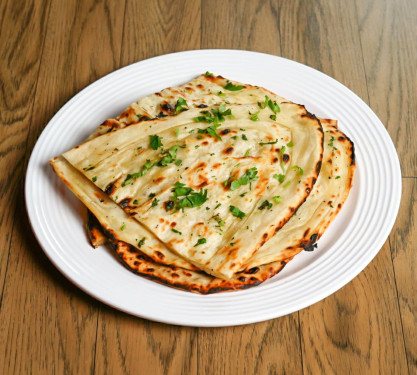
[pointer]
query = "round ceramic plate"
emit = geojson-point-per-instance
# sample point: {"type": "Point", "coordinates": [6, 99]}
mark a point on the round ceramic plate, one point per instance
{"type": "Point", "coordinates": [351, 242]}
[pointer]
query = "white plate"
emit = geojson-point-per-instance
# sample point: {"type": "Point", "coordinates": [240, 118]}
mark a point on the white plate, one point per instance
{"type": "Point", "coordinates": [355, 237]}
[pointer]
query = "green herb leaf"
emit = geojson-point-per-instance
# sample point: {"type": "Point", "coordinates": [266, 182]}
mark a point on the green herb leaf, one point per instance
{"type": "Point", "coordinates": [273, 117]}
{"type": "Point", "coordinates": [254, 117]}
{"type": "Point", "coordinates": [155, 141]}
{"type": "Point", "coordinates": [274, 106]}
{"type": "Point", "coordinates": [265, 204]}
{"type": "Point", "coordinates": [220, 222]}
{"type": "Point", "coordinates": [279, 177]}
{"type": "Point", "coordinates": [168, 159]}
{"type": "Point", "coordinates": [247, 152]}
{"type": "Point", "coordinates": [130, 177]}
{"type": "Point", "coordinates": [94, 179]}
{"type": "Point", "coordinates": [155, 202]}
{"type": "Point", "coordinates": [287, 184]}
{"type": "Point", "coordinates": [180, 105]}
{"type": "Point", "coordinates": [300, 170]}
{"type": "Point", "coordinates": [221, 93]}
{"type": "Point", "coordinates": [177, 131]}
{"type": "Point", "coordinates": [248, 177]}
{"type": "Point", "coordinates": [141, 242]}
{"type": "Point", "coordinates": [135, 202]}
{"type": "Point", "coordinates": [123, 227]}
{"type": "Point", "coordinates": [268, 143]}
{"type": "Point", "coordinates": [200, 242]}
{"type": "Point", "coordinates": [236, 212]}
{"type": "Point", "coordinates": [244, 137]}
{"type": "Point", "coordinates": [337, 177]}
{"type": "Point", "coordinates": [231, 87]}
{"type": "Point", "coordinates": [178, 162]}
{"type": "Point", "coordinates": [176, 231]}
{"type": "Point", "coordinates": [277, 199]}
{"type": "Point", "coordinates": [290, 144]}
{"type": "Point", "coordinates": [208, 74]}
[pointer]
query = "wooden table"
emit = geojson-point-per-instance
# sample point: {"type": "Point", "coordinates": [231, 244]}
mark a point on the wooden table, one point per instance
{"type": "Point", "coordinates": [51, 49]}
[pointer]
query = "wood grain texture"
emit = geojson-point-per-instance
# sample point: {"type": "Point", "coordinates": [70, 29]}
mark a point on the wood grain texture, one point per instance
{"type": "Point", "coordinates": [128, 345]}
{"type": "Point", "coordinates": [47, 325]}
{"type": "Point", "coordinates": [20, 52]}
{"type": "Point", "coordinates": [251, 25]}
{"type": "Point", "coordinates": [271, 347]}
{"type": "Point", "coordinates": [388, 32]}
{"type": "Point", "coordinates": [356, 330]}
{"type": "Point", "coordinates": [403, 242]}
{"type": "Point", "coordinates": [153, 28]}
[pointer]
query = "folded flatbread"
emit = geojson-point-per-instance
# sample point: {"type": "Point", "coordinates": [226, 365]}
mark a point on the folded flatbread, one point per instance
{"type": "Point", "coordinates": [245, 230]}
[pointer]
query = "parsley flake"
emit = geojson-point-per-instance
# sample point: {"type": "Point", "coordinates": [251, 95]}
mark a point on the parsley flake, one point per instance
{"type": "Point", "coordinates": [231, 87]}
{"type": "Point", "coordinates": [279, 177]}
{"type": "Point", "coordinates": [200, 242]}
{"type": "Point", "coordinates": [236, 212]}
{"type": "Point", "coordinates": [265, 204]}
{"type": "Point", "coordinates": [155, 141]}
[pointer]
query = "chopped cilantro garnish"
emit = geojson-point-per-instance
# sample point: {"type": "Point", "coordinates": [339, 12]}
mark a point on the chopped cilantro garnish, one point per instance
{"type": "Point", "coordinates": [244, 137]}
{"type": "Point", "coordinates": [221, 93]}
{"type": "Point", "coordinates": [123, 227]}
{"type": "Point", "coordinates": [273, 117]}
{"type": "Point", "coordinates": [155, 202]}
{"type": "Point", "coordinates": [337, 177]}
{"type": "Point", "coordinates": [178, 162]}
{"type": "Point", "coordinates": [155, 141]}
{"type": "Point", "coordinates": [248, 177]}
{"type": "Point", "coordinates": [94, 179]}
{"type": "Point", "coordinates": [269, 103]}
{"type": "Point", "coordinates": [218, 205]}
{"type": "Point", "coordinates": [208, 74]}
{"type": "Point", "coordinates": [135, 202]}
{"type": "Point", "coordinates": [231, 87]}
{"type": "Point", "coordinates": [176, 231]}
{"type": "Point", "coordinates": [211, 130]}
{"type": "Point", "coordinates": [279, 177]}
{"type": "Point", "coordinates": [179, 106]}
{"type": "Point", "coordinates": [287, 184]}
{"type": "Point", "coordinates": [331, 141]}
{"type": "Point", "coordinates": [177, 131]}
{"type": "Point", "coordinates": [268, 143]}
{"type": "Point", "coordinates": [191, 198]}
{"type": "Point", "coordinates": [151, 195]}
{"type": "Point", "coordinates": [247, 152]}
{"type": "Point", "coordinates": [200, 242]}
{"type": "Point", "coordinates": [236, 212]}
{"type": "Point", "coordinates": [88, 169]}
{"type": "Point", "coordinates": [290, 144]}
{"type": "Point", "coordinates": [167, 159]}
{"type": "Point", "coordinates": [254, 116]}
{"type": "Point", "coordinates": [277, 199]}
{"type": "Point", "coordinates": [142, 242]}
{"type": "Point", "coordinates": [265, 204]}
{"type": "Point", "coordinates": [274, 106]}
{"type": "Point", "coordinates": [300, 170]}
{"type": "Point", "coordinates": [130, 177]}
{"type": "Point", "coordinates": [235, 137]}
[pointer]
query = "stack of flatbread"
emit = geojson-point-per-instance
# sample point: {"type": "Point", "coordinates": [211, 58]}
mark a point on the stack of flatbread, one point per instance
{"type": "Point", "coordinates": [210, 186]}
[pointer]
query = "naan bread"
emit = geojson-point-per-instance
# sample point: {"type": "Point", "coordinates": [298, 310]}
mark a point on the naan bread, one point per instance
{"type": "Point", "coordinates": [206, 90]}
{"type": "Point", "coordinates": [208, 163]}
{"type": "Point", "coordinates": [167, 265]}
